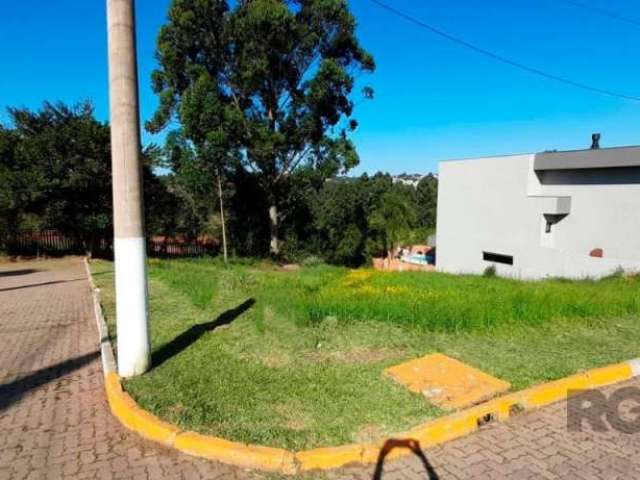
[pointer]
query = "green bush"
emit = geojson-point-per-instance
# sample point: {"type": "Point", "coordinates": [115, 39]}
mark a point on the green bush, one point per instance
{"type": "Point", "coordinates": [489, 272]}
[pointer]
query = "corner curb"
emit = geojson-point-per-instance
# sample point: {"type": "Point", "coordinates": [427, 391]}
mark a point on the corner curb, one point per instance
{"type": "Point", "coordinates": [434, 432]}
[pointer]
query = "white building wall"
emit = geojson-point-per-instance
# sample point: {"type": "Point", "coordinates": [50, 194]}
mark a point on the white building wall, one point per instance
{"type": "Point", "coordinates": [497, 204]}
{"type": "Point", "coordinates": [605, 210]}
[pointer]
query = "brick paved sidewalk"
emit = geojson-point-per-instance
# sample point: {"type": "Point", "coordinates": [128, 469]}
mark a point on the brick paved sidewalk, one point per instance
{"type": "Point", "coordinates": [531, 446]}
{"type": "Point", "coordinates": [54, 419]}
{"type": "Point", "coordinates": [55, 423]}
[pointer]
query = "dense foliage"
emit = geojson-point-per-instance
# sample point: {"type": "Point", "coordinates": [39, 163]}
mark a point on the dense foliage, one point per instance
{"type": "Point", "coordinates": [343, 220]}
{"type": "Point", "coordinates": [359, 218]}
{"type": "Point", "coordinates": [55, 172]}
{"type": "Point", "coordinates": [260, 92]}
{"type": "Point", "coordinates": [264, 86]}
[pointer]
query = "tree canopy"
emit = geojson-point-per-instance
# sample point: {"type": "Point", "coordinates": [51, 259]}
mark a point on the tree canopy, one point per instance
{"type": "Point", "coordinates": [427, 200]}
{"type": "Point", "coordinates": [357, 218]}
{"type": "Point", "coordinates": [270, 78]}
{"type": "Point", "coordinates": [56, 164]}
{"type": "Point", "coordinates": [55, 172]}
{"type": "Point", "coordinates": [257, 97]}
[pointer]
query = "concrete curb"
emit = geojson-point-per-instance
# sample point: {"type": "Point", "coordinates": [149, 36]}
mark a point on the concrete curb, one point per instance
{"type": "Point", "coordinates": [106, 350]}
{"type": "Point", "coordinates": [258, 457]}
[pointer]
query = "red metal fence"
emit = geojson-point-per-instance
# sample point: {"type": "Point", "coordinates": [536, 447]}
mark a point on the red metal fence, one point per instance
{"type": "Point", "coordinates": [47, 242]}
{"type": "Point", "coordinates": [54, 243]}
{"type": "Point", "coordinates": [180, 246]}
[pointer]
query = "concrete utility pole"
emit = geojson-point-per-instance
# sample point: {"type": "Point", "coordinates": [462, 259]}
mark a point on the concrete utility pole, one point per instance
{"type": "Point", "coordinates": [128, 218]}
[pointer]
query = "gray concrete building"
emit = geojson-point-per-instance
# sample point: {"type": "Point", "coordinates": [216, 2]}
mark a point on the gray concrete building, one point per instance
{"type": "Point", "coordinates": [568, 214]}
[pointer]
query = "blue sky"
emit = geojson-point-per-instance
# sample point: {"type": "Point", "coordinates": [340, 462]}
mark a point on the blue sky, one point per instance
{"type": "Point", "coordinates": [434, 100]}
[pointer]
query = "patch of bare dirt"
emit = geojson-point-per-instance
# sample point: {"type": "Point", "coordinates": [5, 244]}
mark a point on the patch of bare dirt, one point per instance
{"type": "Point", "coordinates": [368, 434]}
{"type": "Point", "coordinates": [294, 418]}
{"type": "Point", "coordinates": [276, 360]}
{"type": "Point", "coordinates": [290, 267]}
{"type": "Point", "coordinates": [176, 409]}
{"type": "Point", "coordinates": [357, 355]}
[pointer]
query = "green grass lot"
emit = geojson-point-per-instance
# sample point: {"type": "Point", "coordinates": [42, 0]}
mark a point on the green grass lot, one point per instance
{"type": "Point", "coordinates": [295, 359]}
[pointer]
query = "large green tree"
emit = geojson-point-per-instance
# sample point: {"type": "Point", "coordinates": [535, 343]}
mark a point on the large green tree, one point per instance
{"type": "Point", "coordinates": [271, 78]}
{"type": "Point", "coordinates": [340, 217]}
{"type": "Point", "coordinates": [427, 201]}
{"type": "Point", "coordinates": [191, 180]}
{"type": "Point", "coordinates": [55, 173]}
{"type": "Point", "coordinates": [10, 179]}
{"type": "Point", "coordinates": [59, 171]}
{"type": "Point", "coordinates": [393, 218]}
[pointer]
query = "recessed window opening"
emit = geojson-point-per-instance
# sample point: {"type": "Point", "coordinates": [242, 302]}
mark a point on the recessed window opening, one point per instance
{"type": "Point", "coordinates": [552, 219]}
{"type": "Point", "coordinates": [497, 258]}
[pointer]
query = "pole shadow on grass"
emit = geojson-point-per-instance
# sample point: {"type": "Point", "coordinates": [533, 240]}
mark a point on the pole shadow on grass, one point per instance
{"type": "Point", "coordinates": [193, 334]}
{"type": "Point", "coordinates": [410, 444]}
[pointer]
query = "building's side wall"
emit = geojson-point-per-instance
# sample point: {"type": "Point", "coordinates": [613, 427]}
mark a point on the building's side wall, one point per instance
{"type": "Point", "coordinates": [605, 211]}
{"type": "Point", "coordinates": [483, 206]}
{"type": "Point", "coordinates": [493, 205]}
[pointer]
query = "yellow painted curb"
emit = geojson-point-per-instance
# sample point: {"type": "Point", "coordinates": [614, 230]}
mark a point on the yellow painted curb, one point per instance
{"type": "Point", "coordinates": [610, 374]}
{"type": "Point", "coordinates": [135, 418]}
{"type": "Point", "coordinates": [330, 457]}
{"type": "Point", "coordinates": [432, 433]}
{"type": "Point", "coordinates": [240, 454]}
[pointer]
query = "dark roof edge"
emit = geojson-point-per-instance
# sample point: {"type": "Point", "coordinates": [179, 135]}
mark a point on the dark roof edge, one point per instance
{"type": "Point", "coordinates": [614, 157]}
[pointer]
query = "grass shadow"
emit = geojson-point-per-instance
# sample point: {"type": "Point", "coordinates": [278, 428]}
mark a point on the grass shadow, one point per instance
{"type": "Point", "coordinates": [106, 272]}
{"type": "Point", "coordinates": [410, 444]}
{"type": "Point", "coordinates": [193, 334]}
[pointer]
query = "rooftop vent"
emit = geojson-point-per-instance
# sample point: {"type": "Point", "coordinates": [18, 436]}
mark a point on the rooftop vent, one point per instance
{"type": "Point", "coordinates": [595, 141]}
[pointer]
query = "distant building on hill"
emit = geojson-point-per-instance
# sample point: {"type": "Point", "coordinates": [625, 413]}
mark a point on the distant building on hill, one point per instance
{"type": "Point", "coordinates": [554, 214]}
{"type": "Point", "coordinates": [410, 179]}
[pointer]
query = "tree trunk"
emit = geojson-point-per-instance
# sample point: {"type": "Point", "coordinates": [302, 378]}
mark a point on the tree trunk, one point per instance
{"type": "Point", "coordinates": [224, 227]}
{"type": "Point", "coordinates": [273, 225]}
{"type": "Point", "coordinates": [89, 246]}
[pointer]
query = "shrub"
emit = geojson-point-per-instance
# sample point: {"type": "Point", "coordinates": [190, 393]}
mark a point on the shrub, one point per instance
{"type": "Point", "coordinates": [489, 272]}
{"type": "Point", "coordinates": [312, 261]}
